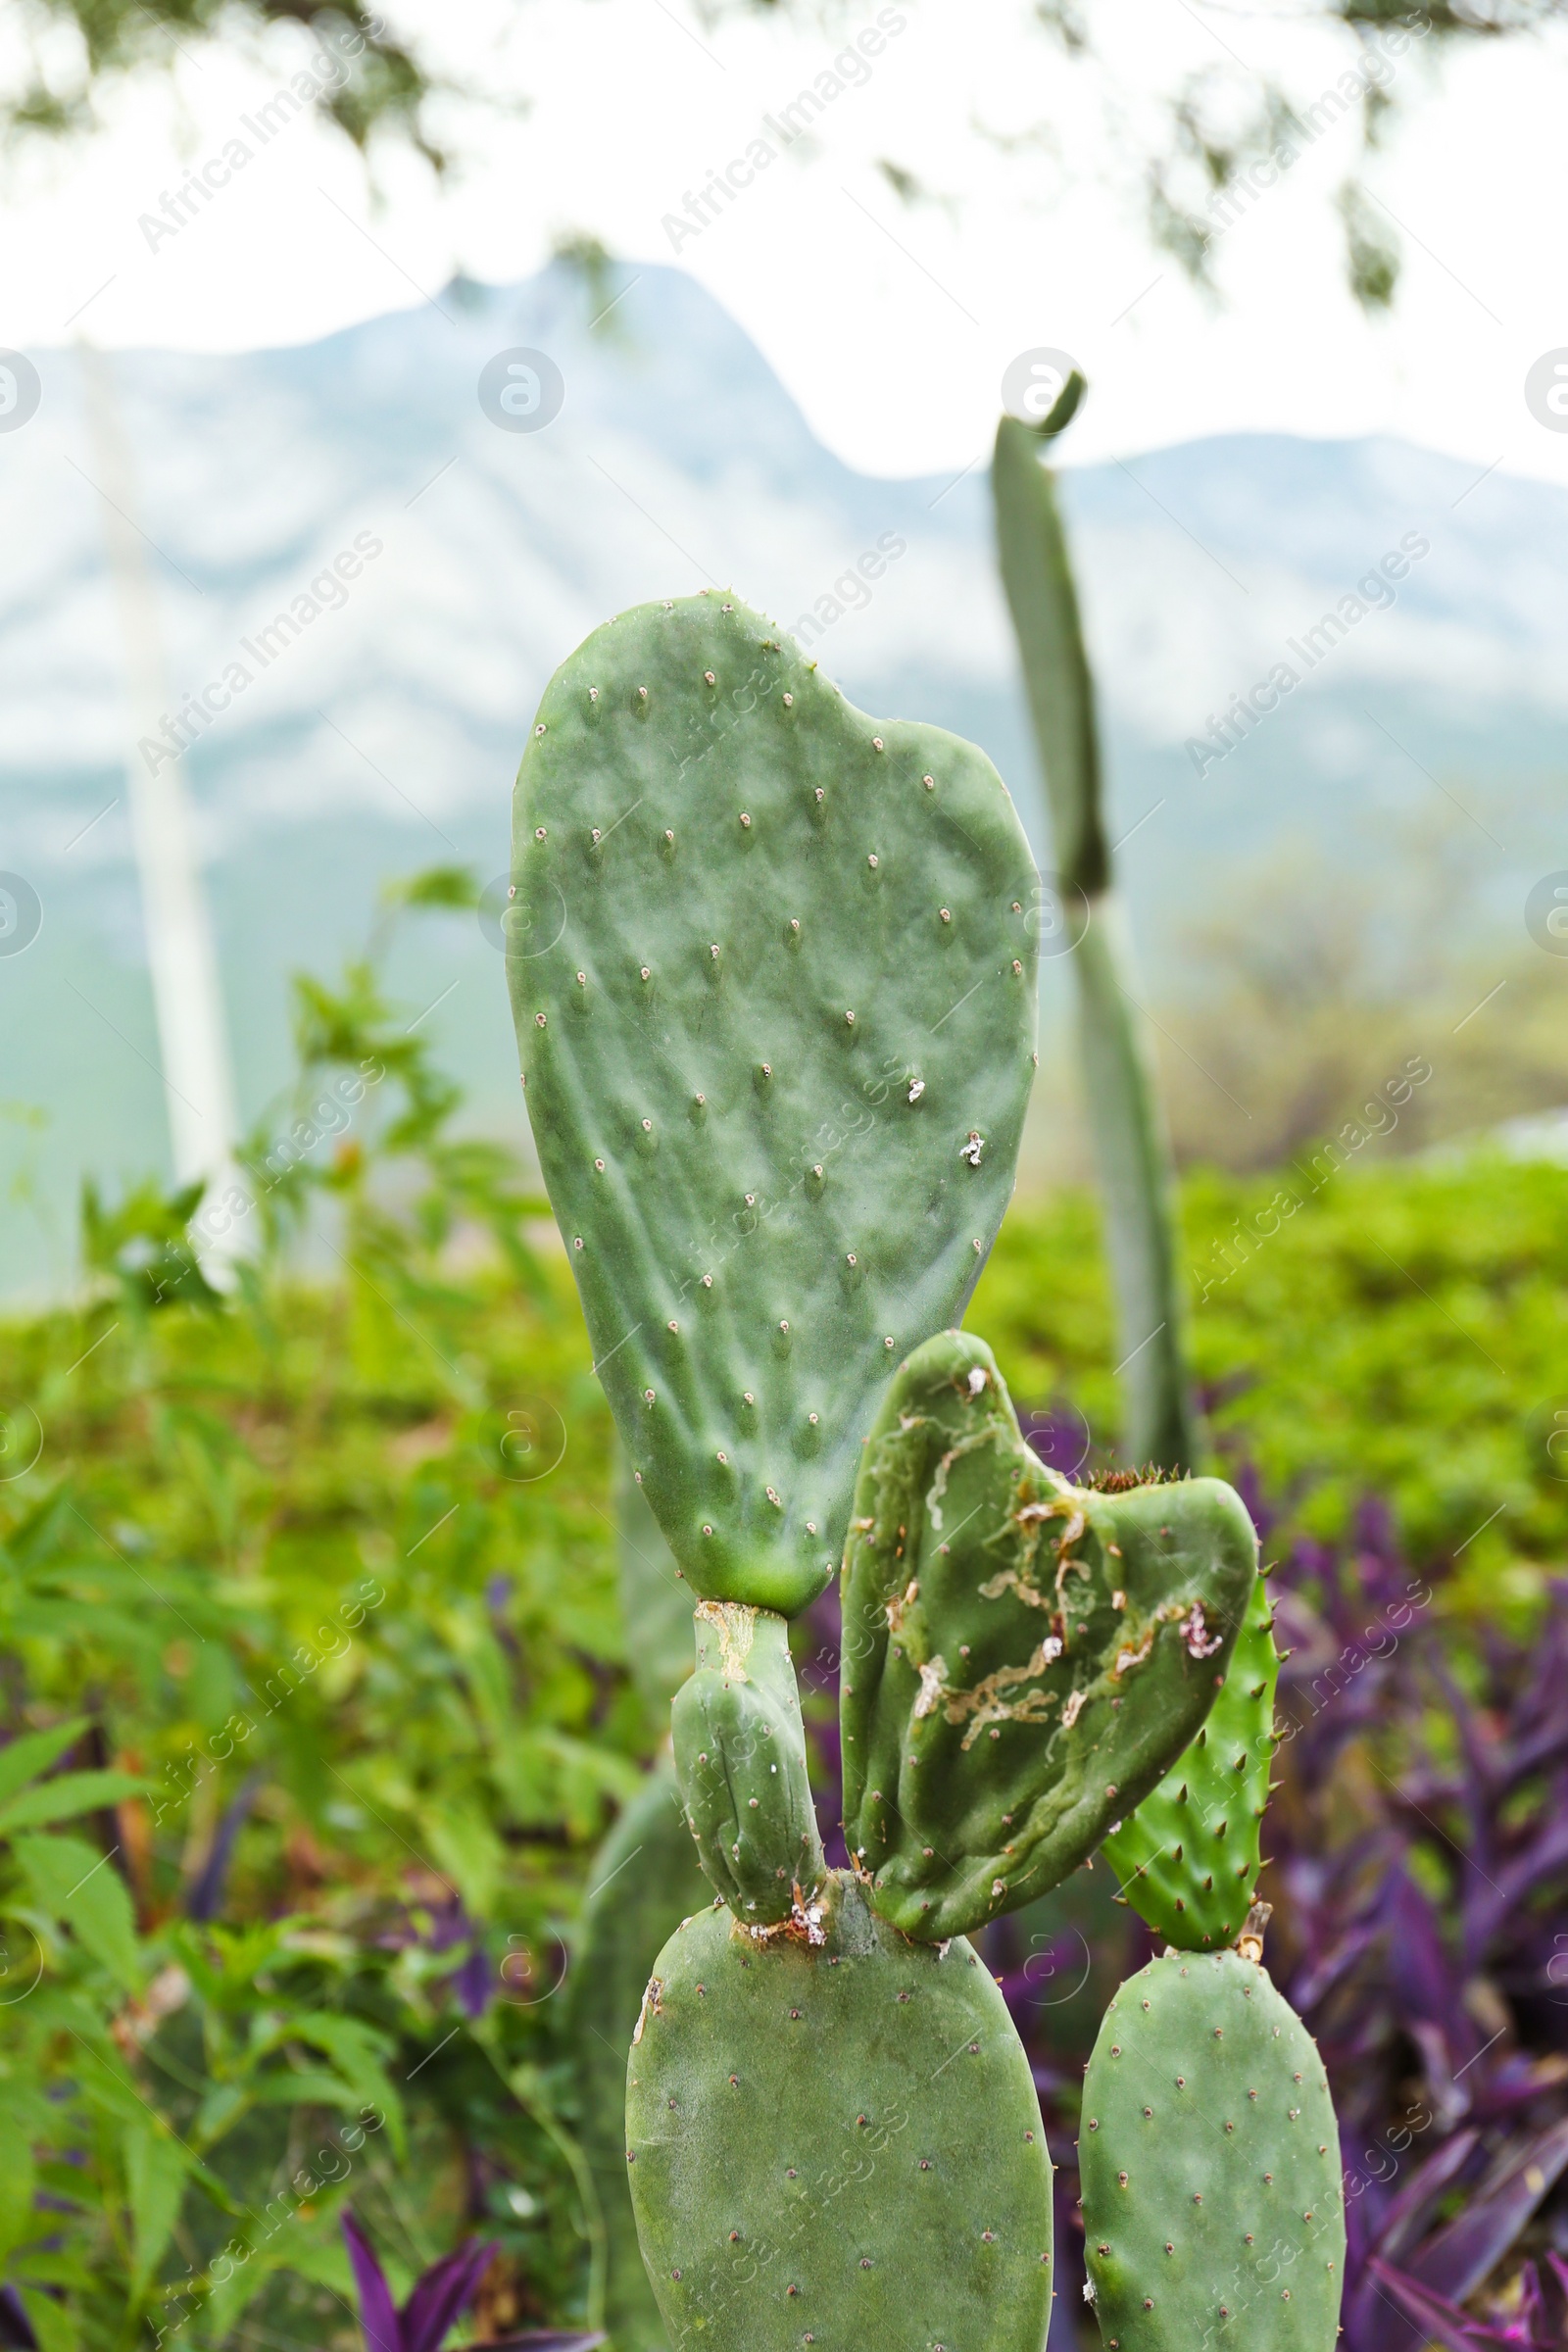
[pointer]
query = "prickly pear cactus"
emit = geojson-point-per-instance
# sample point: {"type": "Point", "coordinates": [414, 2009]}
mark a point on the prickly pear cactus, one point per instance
{"type": "Point", "coordinates": [1188, 1857]}
{"type": "Point", "coordinates": [1212, 2204]}
{"type": "Point", "coordinates": [740, 1751]}
{"type": "Point", "coordinates": [1022, 1658]}
{"type": "Point", "coordinates": [772, 968]}
{"type": "Point", "coordinates": [833, 2138]}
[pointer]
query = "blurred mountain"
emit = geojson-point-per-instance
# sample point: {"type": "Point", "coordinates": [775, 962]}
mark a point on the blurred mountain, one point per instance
{"type": "Point", "coordinates": [381, 729]}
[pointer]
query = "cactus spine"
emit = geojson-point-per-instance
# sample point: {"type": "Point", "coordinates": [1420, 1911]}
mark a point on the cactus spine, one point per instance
{"type": "Point", "coordinates": [772, 970]}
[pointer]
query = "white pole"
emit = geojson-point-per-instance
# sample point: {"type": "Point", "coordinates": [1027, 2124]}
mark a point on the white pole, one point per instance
{"type": "Point", "coordinates": [192, 1034]}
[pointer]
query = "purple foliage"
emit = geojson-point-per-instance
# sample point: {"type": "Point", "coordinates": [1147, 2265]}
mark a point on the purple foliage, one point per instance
{"type": "Point", "coordinates": [1060, 1436]}
{"type": "Point", "coordinates": [1420, 1865]}
{"type": "Point", "coordinates": [15, 2328]}
{"type": "Point", "coordinates": [441, 1927]}
{"type": "Point", "coordinates": [204, 1900]}
{"type": "Point", "coordinates": [438, 2300]}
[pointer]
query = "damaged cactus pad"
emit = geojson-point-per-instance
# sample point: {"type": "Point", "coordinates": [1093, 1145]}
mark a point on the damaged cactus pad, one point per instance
{"type": "Point", "coordinates": [773, 972]}
{"type": "Point", "coordinates": [833, 2138]}
{"type": "Point", "coordinates": [1023, 1659]}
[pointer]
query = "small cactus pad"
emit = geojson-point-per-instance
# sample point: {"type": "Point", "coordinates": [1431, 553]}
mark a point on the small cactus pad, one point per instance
{"type": "Point", "coordinates": [740, 1750]}
{"type": "Point", "coordinates": [1188, 1859]}
{"type": "Point", "coordinates": [1023, 1659]}
{"type": "Point", "coordinates": [773, 972]}
{"type": "Point", "coordinates": [1213, 2211]}
{"type": "Point", "coordinates": [834, 2139]}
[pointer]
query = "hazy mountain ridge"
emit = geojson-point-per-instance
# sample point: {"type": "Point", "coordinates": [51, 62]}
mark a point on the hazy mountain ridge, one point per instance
{"type": "Point", "coordinates": [385, 736]}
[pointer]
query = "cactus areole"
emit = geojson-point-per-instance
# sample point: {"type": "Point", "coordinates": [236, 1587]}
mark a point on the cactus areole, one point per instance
{"type": "Point", "coordinates": [772, 965]}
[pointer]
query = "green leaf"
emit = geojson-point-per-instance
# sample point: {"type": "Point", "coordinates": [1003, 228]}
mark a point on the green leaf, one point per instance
{"type": "Point", "coordinates": [26, 1757]}
{"type": "Point", "coordinates": [18, 2220]}
{"type": "Point", "coordinates": [50, 2269]}
{"type": "Point", "coordinates": [221, 2108]}
{"type": "Point", "coordinates": [305, 2086]}
{"type": "Point", "coordinates": [362, 2083]}
{"type": "Point", "coordinates": [155, 2182]}
{"type": "Point", "coordinates": [240, 2283]}
{"type": "Point", "coordinates": [466, 1846]}
{"type": "Point", "coordinates": [453, 886]}
{"type": "Point", "coordinates": [59, 1800]}
{"type": "Point", "coordinates": [81, 1888]}
{"type": "Point", "coordinates": [356, 2049]}
{"type": "Point", "coordinates": [53, 2324]}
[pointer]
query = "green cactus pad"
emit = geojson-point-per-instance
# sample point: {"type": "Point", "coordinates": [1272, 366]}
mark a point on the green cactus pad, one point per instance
{"type": "Point", "coordinates": [1213, 2211]}
{"type": "Point", "coordinates": [740, 1751]}
{"type": "Point", "coordinates": [1022, 1658]}
{"type": "Point", "coordinates": [836, 2142]}
{"type": "Point", "coordinates": [655, 1602]}
{"type": "Point", "coordinates": [642, 1883]}
{"type": "Point", "coordinates": [773, 966]}
{"type": "Point", "coordinates": [1188, 1859]}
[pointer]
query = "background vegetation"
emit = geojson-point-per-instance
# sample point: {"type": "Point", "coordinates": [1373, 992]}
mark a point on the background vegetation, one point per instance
{"type": "Point", "coordinates": [316, 1681]}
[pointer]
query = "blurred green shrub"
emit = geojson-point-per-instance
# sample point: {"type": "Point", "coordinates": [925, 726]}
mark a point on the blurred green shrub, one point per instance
{"type": "Point", "coordinates": [1393, 1328]}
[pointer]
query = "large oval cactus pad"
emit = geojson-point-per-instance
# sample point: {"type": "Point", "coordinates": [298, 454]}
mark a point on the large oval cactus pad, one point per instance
{"type": "Point", "coordinates": [1188, 1857]}
{"type": "Point", "coordinates": [773, 966]}
{"type": "Point", "coordinates": [836, 2142]}
{"type": "Point", "coordinates": [1022, 1659]}
{"type": "Point", "coordinates": [1214, 2207]}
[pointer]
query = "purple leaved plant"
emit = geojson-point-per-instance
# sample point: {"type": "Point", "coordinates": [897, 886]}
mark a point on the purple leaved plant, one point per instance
{"type": "Point", "coordinates": [438, 2301]}
{"type": "Point", "coordinates": [1420, 1871]}
{"type": "Point", "coordinates": [1539, 2322]}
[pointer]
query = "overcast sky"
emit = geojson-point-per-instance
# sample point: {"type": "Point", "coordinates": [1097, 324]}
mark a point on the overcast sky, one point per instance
{"type": "Point", "coordinates": [891, 324]}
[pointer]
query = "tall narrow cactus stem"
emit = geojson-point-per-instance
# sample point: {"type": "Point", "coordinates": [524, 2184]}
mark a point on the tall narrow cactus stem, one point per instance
{"type": "Point", "coordinates": [1131, 1149]}
{"type": "Point", "coordinates": [1133, 1157]}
